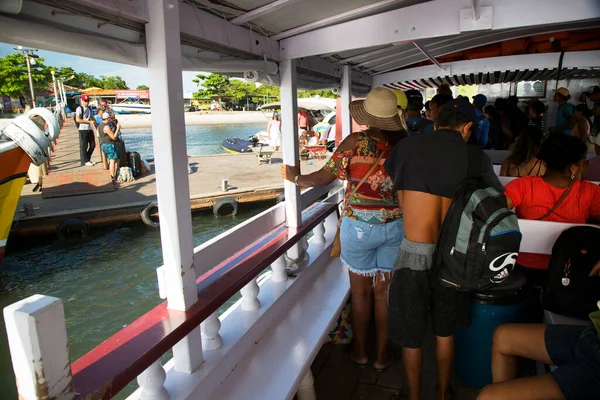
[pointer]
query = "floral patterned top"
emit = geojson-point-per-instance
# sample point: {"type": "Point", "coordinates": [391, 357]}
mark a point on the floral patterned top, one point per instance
{"type": "Point", "coordinates": [374, 201]}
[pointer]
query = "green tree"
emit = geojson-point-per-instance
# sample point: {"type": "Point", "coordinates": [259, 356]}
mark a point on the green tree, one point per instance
{"type": "Point", "coordinates": [212, 85]}
{"type": "Point", "coordinates": [142, 87]}
{"type": "Point", "coordinates": [112, 83]}
{"type": "Point", "coordinates": [317, 93]}
{"type": "Point", "coordinates": [13, 75]}
{"type": "Point", "coordinates": [238, 89]}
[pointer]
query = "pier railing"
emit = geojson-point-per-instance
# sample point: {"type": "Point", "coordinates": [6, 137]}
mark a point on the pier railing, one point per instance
{"type": "Point", "coordinates": [37, 331]}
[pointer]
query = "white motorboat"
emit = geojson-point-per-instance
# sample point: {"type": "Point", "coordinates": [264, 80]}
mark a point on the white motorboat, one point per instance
{"type": "Point", "coordinates": [131, 106]}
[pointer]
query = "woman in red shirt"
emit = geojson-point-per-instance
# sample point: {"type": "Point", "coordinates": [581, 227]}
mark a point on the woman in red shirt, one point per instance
{"type": "Point", "coordinates": [534, 196]}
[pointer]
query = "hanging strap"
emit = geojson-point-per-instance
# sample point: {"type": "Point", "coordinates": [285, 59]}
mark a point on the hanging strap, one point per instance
{"type": "Point", "coordinates": [375, 164]}
{"type": "Point", "coordinates": [558, 202]}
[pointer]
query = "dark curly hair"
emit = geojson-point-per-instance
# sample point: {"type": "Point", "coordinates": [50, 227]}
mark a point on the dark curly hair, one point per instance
{"type": "Point", "coordinates": [559, 152]}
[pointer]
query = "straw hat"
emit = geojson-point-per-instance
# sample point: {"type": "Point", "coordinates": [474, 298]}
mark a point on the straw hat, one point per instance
{"type": "Point", "coordinates": [563, 91]}
{"type": "Point", "coordinates": [378, 110]}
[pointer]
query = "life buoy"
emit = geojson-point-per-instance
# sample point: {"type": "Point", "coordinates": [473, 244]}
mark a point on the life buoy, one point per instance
{"type": "Point", "coordinates": [226, 207]}
{"type": "Point", "coordinates": [51, 120]}
{"type": "Point", "coordinates": [148, 217]}
{"type": "Point", "coordinates": [25, 133]}
{"type": "Point", "coordinates": [72, 229]}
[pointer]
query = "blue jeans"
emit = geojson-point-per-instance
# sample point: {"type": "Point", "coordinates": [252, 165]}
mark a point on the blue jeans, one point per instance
{"type": "Point", "coordinates": [370, 248]}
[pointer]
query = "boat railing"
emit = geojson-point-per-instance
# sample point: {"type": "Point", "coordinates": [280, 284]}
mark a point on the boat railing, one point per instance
{"type": "Point", "coordinates": [37, 331]}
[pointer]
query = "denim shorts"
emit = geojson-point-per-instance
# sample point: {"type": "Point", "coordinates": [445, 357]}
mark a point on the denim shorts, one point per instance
{"type": "Point", "coordinates": [575, 350]}
{"type": "Point", "coordinates": [368, 249]}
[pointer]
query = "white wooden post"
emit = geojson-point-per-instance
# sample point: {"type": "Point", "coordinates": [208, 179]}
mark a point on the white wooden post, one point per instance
{"type": "Point", "coordinates": [346, 98]}
{"type": "Point", "coordinates": [249, 293]}
{"type": "Point", "coordinates": [290, 146]}
{"type": "Point", "coordinates": [151, 382]}
{"type": "Point", "coordinates": [163, 45]}
{"type": "Point", "coordinates": [211, 340]}
{"type": "Point", "coordinates": [319, 233]}
{"type": "Point", "coordinates": [278, 267]}
{"type": "Point", "coordinates": [37, 338]}
{"type": "Point", "coordinates": [306, 390]}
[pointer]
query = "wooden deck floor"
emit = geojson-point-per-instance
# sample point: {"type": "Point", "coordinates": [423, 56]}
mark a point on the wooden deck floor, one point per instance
{"type": "Point", "coordinates": [337, 378]}
{"type": "Point", "coordinates": [246, 178]}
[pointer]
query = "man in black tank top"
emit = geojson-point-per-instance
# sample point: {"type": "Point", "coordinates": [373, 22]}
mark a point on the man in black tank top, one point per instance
{"type": "Point", "coordinates": [108, 137]}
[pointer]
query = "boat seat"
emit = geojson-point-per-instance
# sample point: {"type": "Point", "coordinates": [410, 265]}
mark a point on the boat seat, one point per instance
{"type": "Point", "coordinates": [276, 365]}
{"type": "Point", "coordinates": [263, 153]}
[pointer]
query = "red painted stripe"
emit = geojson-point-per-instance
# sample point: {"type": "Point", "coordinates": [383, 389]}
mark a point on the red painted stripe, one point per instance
{"type": "Point", "coordinates": [104, 371]}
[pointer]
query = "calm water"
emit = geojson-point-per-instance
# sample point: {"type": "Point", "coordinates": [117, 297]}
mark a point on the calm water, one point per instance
{"type": "Point", "coordinates": [109, 281]}
{"type": "Point", "coordinates": [201, 139]}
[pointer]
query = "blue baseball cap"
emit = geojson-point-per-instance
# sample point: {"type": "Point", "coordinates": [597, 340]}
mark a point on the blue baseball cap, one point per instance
{"type": "Point", "coordinates": [480, 100]}
{"type": "Point", "coordinates": [464, 107]}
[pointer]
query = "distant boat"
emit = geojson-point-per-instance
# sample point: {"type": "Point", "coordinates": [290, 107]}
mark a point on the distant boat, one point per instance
{"type": "Point", "coordinates": [237, 146]}
{"type": "Point", "coordinates": [131, 106]}
{"type": "Point", "coordinates": [22, 142]}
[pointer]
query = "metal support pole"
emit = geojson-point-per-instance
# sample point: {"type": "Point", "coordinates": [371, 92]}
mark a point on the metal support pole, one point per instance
{"type": "Point", "coordinates": [54, 87]}
{"type": "Point", "coordinates": [290, 146]}
{"type": "Point", "coordinates": [163, 45]}
{"type": "Point", "coordinates": [429, 56]}
{"type": "Point", "coordinates": [30, 80]}
{"type": "Point", "coordinates": [475, 10]}
{"type": "Point", "coordinates": [346, 98]}
{"type": "Point", "coordinates": [63, 94]}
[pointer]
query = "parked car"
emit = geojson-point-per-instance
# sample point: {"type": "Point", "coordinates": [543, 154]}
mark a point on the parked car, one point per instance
{"type": "Point", "coordinates": [190, 109]}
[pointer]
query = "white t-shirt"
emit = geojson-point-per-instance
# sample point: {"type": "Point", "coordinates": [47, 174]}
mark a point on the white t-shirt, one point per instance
{"type": "Point", "coordinates": [87, 114]}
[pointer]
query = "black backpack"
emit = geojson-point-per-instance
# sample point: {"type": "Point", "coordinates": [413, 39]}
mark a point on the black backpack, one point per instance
{"type": "Point", "coordinates": [569, 290]}
{"type": "Point", "coordinates": [479, 241]}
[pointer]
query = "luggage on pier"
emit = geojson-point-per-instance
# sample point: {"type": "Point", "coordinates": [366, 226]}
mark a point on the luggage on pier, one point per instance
{"type": "Point", "coordinates": [123, 155]}
{"type": "Point", "coordinates": [135, 162]}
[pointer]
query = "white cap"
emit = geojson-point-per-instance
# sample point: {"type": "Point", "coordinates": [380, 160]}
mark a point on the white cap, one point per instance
{"type": "Point", "coordinates": [105, 115]}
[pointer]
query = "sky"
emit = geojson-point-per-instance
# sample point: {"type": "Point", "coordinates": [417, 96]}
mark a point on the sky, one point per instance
{"type": "Point", "coordinates": [134, 76]}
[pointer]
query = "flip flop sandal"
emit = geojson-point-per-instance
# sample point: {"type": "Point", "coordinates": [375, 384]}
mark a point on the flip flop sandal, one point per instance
{"type": "Point", "coordinates": [347, 354]}
{"type": "Point", "coordinates": [395, 357]}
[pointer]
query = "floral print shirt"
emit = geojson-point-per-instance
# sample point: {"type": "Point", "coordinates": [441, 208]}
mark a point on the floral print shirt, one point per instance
{"type": "Point", "coordinates": [374, 201]}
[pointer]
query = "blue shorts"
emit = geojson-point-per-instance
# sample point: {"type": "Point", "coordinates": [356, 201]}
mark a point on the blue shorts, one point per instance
{"type": "Point", "coordinates": [370, 248]}
{"type": "Point", "coordinates": [575, 350]}
{"type": "Point", "coordinates": [110, 150]}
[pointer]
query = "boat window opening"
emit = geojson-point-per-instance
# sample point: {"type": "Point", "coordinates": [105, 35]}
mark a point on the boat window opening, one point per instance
{"type": "Point", "coordinates": [530, 89]}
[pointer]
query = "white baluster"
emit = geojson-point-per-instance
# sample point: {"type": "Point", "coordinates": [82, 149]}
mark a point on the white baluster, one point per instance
{"type": "Point", "coordinates": [249, 293]}
{"type": "Point", "coordinates": [306, 390]}
{"type": "Point", "coordinates": [151, 382]}
{"type": "Point", "coordinates": [278, 267]}
{"type": "Point", "coordinates": [319, 233]}
{"type": "Point", "coordinates": [211, 340]}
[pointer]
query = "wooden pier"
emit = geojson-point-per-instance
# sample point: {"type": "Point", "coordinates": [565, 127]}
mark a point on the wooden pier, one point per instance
{"type": "Point", "coordinates": [248, 183]}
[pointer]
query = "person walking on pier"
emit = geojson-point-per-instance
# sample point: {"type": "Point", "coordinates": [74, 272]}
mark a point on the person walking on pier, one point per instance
{"type": "Point", "coordinates": [84, 121]}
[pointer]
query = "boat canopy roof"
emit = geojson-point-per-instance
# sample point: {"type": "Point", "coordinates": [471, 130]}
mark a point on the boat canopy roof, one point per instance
{"type": "Point", "coordinates": [397, 43]}
{"type": "Point", "coordinates": [307, 104]}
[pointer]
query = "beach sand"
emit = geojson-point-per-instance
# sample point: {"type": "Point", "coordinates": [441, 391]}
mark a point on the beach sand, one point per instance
{"type": "Point", "coordinates": [197, 118]}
